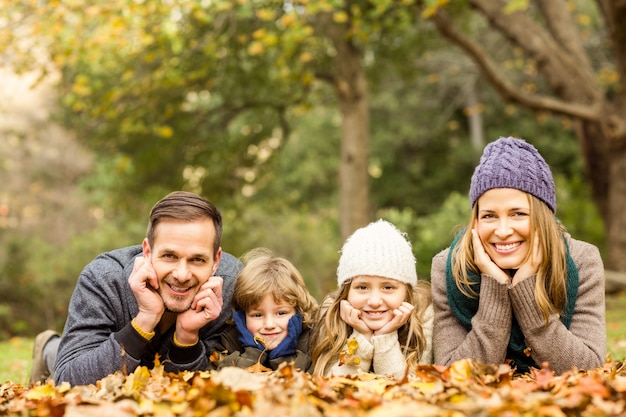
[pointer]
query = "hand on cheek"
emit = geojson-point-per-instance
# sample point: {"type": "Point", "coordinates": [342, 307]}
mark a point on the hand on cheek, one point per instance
{"type": "Point", "coordinates": [401, 315]}
{"type": "Point", "coordinates": [531, 266]}
{"type": "Point", "coordinates": [352, 317]}
{"type": "Point", "coordinates": [485, 263]}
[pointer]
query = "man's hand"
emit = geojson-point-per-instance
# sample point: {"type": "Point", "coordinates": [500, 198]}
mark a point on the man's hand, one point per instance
{"type": "Point", "coordinates": [144, 283]}
{"type": "Point", "coordinates": [206, 307]}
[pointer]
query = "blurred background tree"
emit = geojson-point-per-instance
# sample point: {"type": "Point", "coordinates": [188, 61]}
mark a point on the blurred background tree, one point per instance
{"type": "Point", "coordinates": [300, 120]}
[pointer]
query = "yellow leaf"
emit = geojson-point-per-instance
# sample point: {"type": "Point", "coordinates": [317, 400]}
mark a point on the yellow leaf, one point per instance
{"type": "Point", "coordinates": [306, 57]}
{"type": "Point", "coordinates": [40, 392]}
{"type": "Point", "coordinates": [266, 14]}
{"type": "Point", "coordinates": [287, 19]}
{"type": "Point", "coordinates": [259, 339]}
{"type": "Point", "coordinates": [259, 33]}
{"type": "Point", "coordinates": [460, 371]}
{"type": "Point", "coordinates": [256, 48]}
{"type": "Point", "coordinates": [340, 16]}
{"type": "Point", "coordinates": [137, 381]}
{"type": "Point", "coordinates": [164, 131]}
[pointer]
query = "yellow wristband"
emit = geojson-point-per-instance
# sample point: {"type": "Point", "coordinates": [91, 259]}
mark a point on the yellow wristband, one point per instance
{"type": "Point", "coordinates": [184, 345]}
{"type": "Point", "coordinates": [146, 335]}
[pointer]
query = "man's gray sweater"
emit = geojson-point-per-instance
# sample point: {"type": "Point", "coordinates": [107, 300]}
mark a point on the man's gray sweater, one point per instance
{"type": "Point", "coordinates": [98, 338]}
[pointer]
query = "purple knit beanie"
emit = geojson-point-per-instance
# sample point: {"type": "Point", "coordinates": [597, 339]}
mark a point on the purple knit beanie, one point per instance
{"type": "Point", "coordinates": [513, 163]}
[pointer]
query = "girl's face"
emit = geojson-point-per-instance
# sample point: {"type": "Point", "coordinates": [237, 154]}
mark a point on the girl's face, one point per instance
{"type": "Point", "coordinates": [503, 226]}
{"type": "Point", "coordinates": [376, 298]}
{"type": "Point", "coordinates": [269, 320]}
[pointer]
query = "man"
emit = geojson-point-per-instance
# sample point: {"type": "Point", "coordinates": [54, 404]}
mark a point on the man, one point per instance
{"type": "Point", "coordinates": [169, 296]}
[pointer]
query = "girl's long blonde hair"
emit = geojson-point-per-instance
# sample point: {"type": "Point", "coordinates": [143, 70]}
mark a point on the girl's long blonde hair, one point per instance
{"type": "Point", "coordinates": [331, 332]}
{"type": "Point", "coordinates": [550, 287]}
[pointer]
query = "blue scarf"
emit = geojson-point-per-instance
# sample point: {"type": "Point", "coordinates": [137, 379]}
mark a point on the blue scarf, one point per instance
{"type": "Point", "coordinates": [464, 308]}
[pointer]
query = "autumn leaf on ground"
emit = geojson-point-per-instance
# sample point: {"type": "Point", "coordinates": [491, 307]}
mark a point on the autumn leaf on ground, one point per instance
{"type": "Point", "coordinates": [346, 356]}
{"type": "Point", "coordinates": [466, 388]}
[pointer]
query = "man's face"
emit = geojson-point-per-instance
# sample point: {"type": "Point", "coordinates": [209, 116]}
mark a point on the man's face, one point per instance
{"type": "Point", "coordinates": [182, 256]}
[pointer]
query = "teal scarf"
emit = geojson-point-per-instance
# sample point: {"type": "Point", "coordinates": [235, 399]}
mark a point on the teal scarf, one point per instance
{"type": "Point", "coordinates": [464, 308]}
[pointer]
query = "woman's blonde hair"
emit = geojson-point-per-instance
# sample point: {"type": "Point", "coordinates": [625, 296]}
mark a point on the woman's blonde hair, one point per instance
{"type": "Point", "coordinates": [262, 274]}
{"type": "Point", "coordinates": [331, 332]}
{"type": "Point", "coordinates": [550, 286]}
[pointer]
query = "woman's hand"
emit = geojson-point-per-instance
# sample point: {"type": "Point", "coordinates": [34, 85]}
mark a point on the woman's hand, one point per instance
{"type": "Point", "coordinates": [531, 266]}
{"type": "Point", "coordinates": [485, 263]}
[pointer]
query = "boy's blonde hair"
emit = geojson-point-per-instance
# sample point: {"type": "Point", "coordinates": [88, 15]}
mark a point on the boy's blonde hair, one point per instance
{"type": "Point", "coordinates": [262, 274]}
{"type": "Point", "coordinates": [331, 332]}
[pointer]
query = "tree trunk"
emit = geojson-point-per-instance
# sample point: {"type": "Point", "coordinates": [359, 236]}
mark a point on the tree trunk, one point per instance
{"type": "Point", "coordinates": [351, 87]}
{"type": "Point", "coordinates": [616, 219]}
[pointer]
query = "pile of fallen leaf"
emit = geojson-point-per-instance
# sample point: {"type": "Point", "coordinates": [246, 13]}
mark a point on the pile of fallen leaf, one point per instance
{"type": "Point", "coordinates": [465, 388]}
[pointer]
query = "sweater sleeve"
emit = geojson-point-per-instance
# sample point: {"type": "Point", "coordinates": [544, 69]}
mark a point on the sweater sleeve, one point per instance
{"type": "Point", "coordinates": [89, 350]}
{"type": "Point", "coordinates": [388, 357]}
{"type": "Point", "coordinates": [583, 345]}
{"type": "Point", "coordinates": [364, 353]}
{"type": "Point", "coordinates": [488, 339]}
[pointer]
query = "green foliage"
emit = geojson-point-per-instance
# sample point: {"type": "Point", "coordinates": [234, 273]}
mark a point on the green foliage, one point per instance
{"type": "Point", "coordinates": [431, 233]}
{"type": "Point", "coordinates": [308, 239]}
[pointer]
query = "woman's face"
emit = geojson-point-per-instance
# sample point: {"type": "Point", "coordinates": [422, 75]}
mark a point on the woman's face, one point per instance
{"type": "Point", "coordinates": [503, 225]}
{"type": "Point", "coordinates": [376, 298]}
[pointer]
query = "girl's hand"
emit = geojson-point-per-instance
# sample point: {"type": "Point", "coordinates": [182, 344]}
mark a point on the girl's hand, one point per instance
{"type": "Point", "coordinates": [352, 316]}
{"type": "Point", "coordinates": [400, 316]}
{"type": "Point", "coordinates": [484, 262]}
{"type": "Point", "coordinates": [531, 266]}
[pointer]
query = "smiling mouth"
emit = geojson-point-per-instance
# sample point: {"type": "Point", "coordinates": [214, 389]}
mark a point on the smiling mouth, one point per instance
{"type": "Point", "coordinates": [375, 314]}
{"type": "Point", "coordinates": [178, 290]}
{"type": "Point", "coordinates": [506, 248]}
{"type": "Point", "coordinates": [269, 335]}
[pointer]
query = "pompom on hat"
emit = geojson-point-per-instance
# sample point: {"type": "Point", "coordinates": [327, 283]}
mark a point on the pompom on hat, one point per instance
{"type": "Point", "coordinates": [513, 163]}
{"type": "Point", "coordinates": [378, 249]}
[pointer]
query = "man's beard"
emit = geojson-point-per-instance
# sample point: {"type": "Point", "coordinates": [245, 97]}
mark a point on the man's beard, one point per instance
{"type": "Point", "coordinates": [174, 307]}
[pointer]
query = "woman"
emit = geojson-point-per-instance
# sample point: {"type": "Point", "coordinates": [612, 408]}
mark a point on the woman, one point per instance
{"type": "Point", "coordinates": [514, 286]}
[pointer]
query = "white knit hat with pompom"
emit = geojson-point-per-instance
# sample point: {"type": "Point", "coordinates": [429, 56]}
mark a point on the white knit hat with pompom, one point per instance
{"type": "Point", "coordinates": [378, 249]}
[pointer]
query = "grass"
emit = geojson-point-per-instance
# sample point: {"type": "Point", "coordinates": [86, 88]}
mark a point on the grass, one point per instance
{"type": "Point", "coordinates": [16, 353]}
{"type": "Point", "coordinates": [616, 326]}
{"type": "Point", "coordinates": [15, 360]}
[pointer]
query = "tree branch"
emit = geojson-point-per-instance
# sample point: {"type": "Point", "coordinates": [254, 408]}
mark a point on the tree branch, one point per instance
{"type": "Point", "coordinates": [502, 85]}
{"type": "Point", "coordinates": [569, 78]}
{"type": "Point", "coordinates": [560, 23]}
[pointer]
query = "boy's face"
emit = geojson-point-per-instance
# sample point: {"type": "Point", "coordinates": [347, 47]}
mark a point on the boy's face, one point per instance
{"type": "Point", "coordinates": [269, 320]}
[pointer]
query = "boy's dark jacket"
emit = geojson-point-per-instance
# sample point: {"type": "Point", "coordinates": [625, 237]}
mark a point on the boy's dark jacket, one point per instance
{"type": "Point", "coordinates": [230, 352]}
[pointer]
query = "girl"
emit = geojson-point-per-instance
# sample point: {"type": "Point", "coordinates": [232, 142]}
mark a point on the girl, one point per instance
{"type": "Point", "coordinates": [379, 319]}
{"type": "Point", "coordinates": [273, 312]}
{"type": "Point", "coordinates": [514, 286]}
